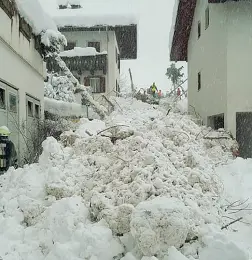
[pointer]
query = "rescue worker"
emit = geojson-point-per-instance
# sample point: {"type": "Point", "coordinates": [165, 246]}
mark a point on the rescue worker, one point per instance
{"type": "Point", "coordinates": [8, 154]}
{"type": "Point", "coordinates": [154, 89]}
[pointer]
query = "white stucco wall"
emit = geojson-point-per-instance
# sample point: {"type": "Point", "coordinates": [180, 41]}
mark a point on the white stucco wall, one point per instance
{"type": "Point", "coordinates": [239, 60]}
{"type": "Point", "coordinates": [208, 55]}
{"type": "Point", "coordinates": [223, 54]}
{"type": "Point", "coordinates": [108, 43]}
{"type": "Point", "coordinates": [21, 67]}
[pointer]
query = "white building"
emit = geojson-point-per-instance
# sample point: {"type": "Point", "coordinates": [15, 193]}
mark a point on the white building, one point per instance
{"type": "Point", "coordinates": [215, 37]}
{"type": "Point", "coordinates": [96, 44]}
{"type": "Point", "coordinates": [22, 70]}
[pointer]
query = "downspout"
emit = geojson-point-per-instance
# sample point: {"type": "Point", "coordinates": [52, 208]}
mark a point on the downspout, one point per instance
{"type": "Point", "coordinates": [108, 81]}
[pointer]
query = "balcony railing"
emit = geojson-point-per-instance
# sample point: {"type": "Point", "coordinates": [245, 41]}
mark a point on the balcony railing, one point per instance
{"type": "Point", "coordinates": [81, 64]}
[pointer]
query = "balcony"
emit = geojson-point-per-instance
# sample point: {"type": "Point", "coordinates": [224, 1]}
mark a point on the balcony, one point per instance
{"type": "Point", "coordinates": [81, 64]}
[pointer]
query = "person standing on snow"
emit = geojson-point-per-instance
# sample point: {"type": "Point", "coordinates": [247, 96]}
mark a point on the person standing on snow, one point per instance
{"type": "Point", "coordinates": [179, 93]}
{"type": "Point", "coordinates": [154, 89]}
{"type": "Point", "coordinates": [8, 154]}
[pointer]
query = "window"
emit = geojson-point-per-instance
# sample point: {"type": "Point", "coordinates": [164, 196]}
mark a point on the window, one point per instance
{"type": "Point", "coordinates": [13, 103]}
{"type": "Point", "coordinates": [98, 84]}
{"type": "Point", "coordinates": [70, 46]}
{"type": "Point", "coordinates": [95, 85]}
{"type": "Point", "coordinates": [207, 21]}
{"type": "Point", "coordinates": [2, 99]}
{"type": "Point", "coordinates": [199, 81]}
{"type": "Point", "coordinates": [30, 108]}
{"type": "Point", "coordinates": [8, 7]}
{"type": "Point", "coordinates": [199, 29]}
{"type": "Point", "coordinates": [37, 111]}
{"type": "Point", "coordinates": [95, 45]}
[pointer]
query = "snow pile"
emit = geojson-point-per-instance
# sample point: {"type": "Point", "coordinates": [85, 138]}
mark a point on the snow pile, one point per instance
{"type": "Point", "coordinates": [80, 52]}
{"type": "Point", "coordinates": [145, 185]}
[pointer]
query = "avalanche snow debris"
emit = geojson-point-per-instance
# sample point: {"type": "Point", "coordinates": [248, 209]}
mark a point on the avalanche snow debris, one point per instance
{"type": "Point", "coordinates": [151, 190]}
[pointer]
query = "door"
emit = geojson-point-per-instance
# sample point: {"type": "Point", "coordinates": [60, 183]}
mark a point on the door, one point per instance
{"type": "Point", "coordinates": [244, 133]}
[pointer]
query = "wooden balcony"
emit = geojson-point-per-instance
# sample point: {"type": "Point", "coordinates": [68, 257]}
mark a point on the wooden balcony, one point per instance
{"type": "Point", "coordinates": [81, 64]}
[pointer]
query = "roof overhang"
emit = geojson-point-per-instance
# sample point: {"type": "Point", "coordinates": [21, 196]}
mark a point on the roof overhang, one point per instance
{"type": "Point", "coordinates": [183, 25]}
{"type": "Point", "coordinates": [126, 37]}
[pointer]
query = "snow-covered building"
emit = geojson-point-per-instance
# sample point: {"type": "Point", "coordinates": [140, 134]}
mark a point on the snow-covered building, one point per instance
{"type": "Point", "coordinates": [96, 44]}
{"type": "Point", "coordinates": [214, 37]}
{"type": "Point", "coordinates": [22, 70]}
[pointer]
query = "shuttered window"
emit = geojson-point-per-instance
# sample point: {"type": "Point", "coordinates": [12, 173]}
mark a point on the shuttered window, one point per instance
{"type": "Point", "coordinates": [98, 84]}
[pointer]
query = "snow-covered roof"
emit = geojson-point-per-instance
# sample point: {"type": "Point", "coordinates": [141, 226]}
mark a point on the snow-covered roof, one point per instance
{"type": "Point", "coordinates": [80, 52]}
{"type": "Point", "coordinates": [34, 15]}
{"type": "Point", "coordinates": [79, 18]}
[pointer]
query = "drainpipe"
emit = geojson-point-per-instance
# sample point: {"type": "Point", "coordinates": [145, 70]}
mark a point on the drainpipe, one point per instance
{"type": "Point", "coordinates": [108, 81]}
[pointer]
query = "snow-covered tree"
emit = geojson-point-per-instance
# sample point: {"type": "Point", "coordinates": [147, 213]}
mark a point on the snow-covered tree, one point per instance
{"type": "Point", "coordinates": [51, 42]}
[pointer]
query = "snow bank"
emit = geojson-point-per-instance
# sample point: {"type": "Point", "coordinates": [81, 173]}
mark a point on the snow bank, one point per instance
{"type": "Point", "coordinates": [34, 14]}
{"type": "Point", "coordinates": [104, 186]}
{"type": "Point", "coordinates": [78, 52]}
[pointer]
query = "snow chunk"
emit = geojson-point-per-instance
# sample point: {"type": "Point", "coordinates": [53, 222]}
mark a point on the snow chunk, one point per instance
{"type": "Point", "coordinates": [159, 224]}
{"type": "Point", "coordinates": [79, 52]}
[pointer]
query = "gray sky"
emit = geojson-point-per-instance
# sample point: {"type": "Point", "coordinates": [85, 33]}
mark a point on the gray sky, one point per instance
{"type": "Point", "coordinates": [155, 18]}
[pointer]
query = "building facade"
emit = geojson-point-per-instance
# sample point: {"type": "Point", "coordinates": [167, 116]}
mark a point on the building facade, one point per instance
{"type": "Point", "coordinates": [22, 72]}
{"type": "Point", "coordinates": [215, 37]}
{"type": "Point", "coordinates": [113, 39]}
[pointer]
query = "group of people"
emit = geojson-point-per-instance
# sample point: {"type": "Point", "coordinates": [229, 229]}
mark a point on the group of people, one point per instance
{"type": "Point", "coordinates": [154, 91]}
{"type": "Point", "coordinates": [8, 154]}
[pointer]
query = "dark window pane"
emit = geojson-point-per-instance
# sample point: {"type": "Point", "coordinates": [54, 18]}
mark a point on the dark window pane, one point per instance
{"type": "Point", "coordinates": [2, 99]}
{"type": "Point", "coordinates": [13, 103]}
{"type": "Point", "coordinates": [95, 45]}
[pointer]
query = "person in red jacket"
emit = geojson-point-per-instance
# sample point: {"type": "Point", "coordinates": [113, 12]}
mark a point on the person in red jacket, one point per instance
{"type": "Point", "coordinates": [179, 93]}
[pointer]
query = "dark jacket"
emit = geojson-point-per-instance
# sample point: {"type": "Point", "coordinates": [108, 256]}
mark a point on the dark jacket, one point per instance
{"type": "Point", "coordinates": [8, 154]}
